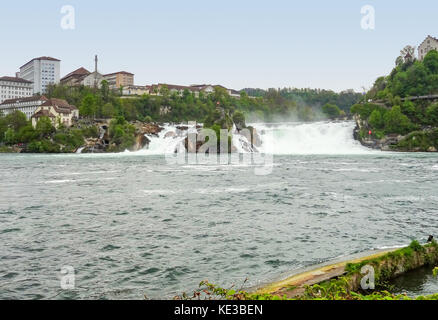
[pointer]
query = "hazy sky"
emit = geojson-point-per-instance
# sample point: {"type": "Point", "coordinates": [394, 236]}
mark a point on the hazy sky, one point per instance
{"type": "Point", "coordinates": [238, 43]}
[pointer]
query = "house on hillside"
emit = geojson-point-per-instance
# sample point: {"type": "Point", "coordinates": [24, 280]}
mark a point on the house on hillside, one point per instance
{"type": "Point", "coordinates": [136, 90]}
{"type": "Point", "coordinates": [430, 43]}
{"type": "Point", "coordinates": [83, 77]}
{"type": "Point", "coordinates": [58, 111]}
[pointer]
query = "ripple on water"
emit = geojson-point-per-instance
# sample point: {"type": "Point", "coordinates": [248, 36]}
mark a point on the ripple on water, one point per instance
{"type": "Point", "coordinates": [10, 230]}
{"type": "Point", "coordinates": [110, 247]}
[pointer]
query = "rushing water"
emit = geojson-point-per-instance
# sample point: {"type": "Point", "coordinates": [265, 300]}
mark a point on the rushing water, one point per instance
{"type": "Point", "coordinates": [133, 224]}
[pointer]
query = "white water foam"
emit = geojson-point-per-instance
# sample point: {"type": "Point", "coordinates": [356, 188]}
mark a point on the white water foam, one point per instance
{"type": "Point", "coordinates": [329, 138]}
{"type": "Point", "coordinates": [325, 138]}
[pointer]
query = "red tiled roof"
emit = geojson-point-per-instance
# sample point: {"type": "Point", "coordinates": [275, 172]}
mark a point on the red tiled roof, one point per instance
{"type": "Point", "coordinates": [28, 99]}
{"type": "Point", "coordinates": [79, 73]}
{"type": "Point", "coordinates": [60, 105]}
{"type": "Point", "coordinates": [43, 113]}
{"type": "Point", "coordinates": [40, 58]}
{"type": "Point", "coordinates": [14, 79]}
{"type": "Point", "coordinates": [120, 72]}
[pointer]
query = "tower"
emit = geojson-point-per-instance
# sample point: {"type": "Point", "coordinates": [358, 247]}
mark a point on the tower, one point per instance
{"type": "Point", "coordinates": [95, 71]}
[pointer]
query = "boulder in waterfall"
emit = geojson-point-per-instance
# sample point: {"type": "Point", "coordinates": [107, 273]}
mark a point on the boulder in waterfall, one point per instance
{"type": "Point", "coordinates": [170, 134]}
{"type": "Point", "coordinates": [252, 136]}
{"type": "Point", "coordinates": [191, 145]}
{"type": "Point", "coordinates": [141, 141]}
{"type": "Point", "coordinates": [148, 128]}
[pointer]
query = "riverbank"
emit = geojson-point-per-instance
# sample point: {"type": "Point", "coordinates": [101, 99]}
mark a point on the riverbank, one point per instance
{"type": "Point", "coordinates": [347, 275]}
{"type": "Point", "coordinates": [424, 140]}
{"type": "Point", "coordinates": [295, 284]}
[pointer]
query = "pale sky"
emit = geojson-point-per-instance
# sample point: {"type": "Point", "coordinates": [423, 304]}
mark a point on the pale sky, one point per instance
{"type": "Point", "coordinates": [238, 43]}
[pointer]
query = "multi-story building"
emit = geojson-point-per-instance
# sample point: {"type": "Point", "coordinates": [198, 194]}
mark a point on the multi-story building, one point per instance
{"type": "Point", "coordinates": [26, 105]}
{"type": "Point", "coordinates": [158, 89]}
{"type": "Point", "coordinates": [136, 90]}
{"type": "Point", "coordinates": [14, 88]}
{"type": "Point", "coordinates": [42, 71]}
{"type": "Point", "coordinates": [58, 111]}
{"type": "Point", "coordinates": [430, 43]}
{"type": "Point", "coordinates": [83, 77]}
{"type": "Point", "coordinates": [119, 79]}
{"type": "Point", "coordinates": [75, 78]}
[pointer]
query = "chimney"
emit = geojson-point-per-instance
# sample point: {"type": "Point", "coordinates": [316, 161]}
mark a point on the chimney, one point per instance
{"type": "Point", "coordinates": [17, 74]}
{"type": "Point", "coordinates": [95, 61]}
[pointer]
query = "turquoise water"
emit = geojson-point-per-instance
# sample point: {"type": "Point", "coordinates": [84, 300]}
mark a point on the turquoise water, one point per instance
{"type": "Point", "coordinates": [133, 225]}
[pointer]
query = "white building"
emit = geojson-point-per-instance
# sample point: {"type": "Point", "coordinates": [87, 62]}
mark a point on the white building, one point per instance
{"type": "Point", "coordinates": [26, 105]}
{"type": "Point", "coordinates": [42, 71]}
{"type": "Point", "coordinates": [14, 88]}
{"type": "Point", "coordinates": [430, 43]}
{"type": "Point", "coordinates": [136, 90]}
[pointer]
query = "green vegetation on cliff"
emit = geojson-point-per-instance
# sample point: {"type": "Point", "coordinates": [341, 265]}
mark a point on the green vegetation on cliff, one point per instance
{"type": "Point", "coordinates": [390, 109]}
{"type": "Point", "coordinates": [409, 78]}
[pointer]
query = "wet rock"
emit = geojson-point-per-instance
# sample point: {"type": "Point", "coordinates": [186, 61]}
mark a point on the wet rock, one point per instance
{"type": "Point", "coordinates": [170, 134]}
{"type": "Point", "coordinates": [193, 145]}
{"type": "Point", "coordinates": [141, 141]}
{"type": "Point", "coordinates": [252, 136]}
{"type": "Point", "coordinates": [432, 149]}
{"type": "Point", "coordinates": [148, 128]}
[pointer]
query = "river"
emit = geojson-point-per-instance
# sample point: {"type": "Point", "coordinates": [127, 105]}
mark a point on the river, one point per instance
{"type": "Point", "coordinates": [134, 224]}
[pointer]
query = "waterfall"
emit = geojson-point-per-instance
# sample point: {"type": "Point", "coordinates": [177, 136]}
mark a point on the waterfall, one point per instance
{"type": "Point", "coordinates": [324, 137]}
{"type": "Point", "coordinates": [167, 141]}
{"type": "Point", "coordinates": [282, 139]}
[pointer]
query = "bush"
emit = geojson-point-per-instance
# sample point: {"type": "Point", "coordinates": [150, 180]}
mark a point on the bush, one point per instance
{"type": "Point", "coordinates": [420, 141]}
{"type": "Point", "coordinates": [43, 146]}
{"type": "Point", "coordinates": [239, 120]}
{"type": "Point", "coordinates": [70, 139]}
{"type": "Point", "coordinates": [396, 122]}
{"type": "Point", "coordinates": [90, 132]}
{"type": "Point", "coordinates": [432, 114]}
{"type": "Point", "coordinates": [44, 127]}
{"type": "Point", "coordinates": [122, 134]}
{"type": "Point", "coordinates": [376, 120]}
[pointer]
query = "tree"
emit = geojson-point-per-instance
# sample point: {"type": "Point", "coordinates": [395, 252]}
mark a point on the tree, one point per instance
{"type": "Point", "coordinates": [408, 54]}
{"type": "Point", "coordinates": [399, 61]}
{"type": "Point", "coordinates": [376, 120]}
{"type": "Point", "coordinates": [16, 120]}
{"type": "Point", "coordinates": [105, 91]}
{"type": "Point", "coordinates": [239, 120]}
{"type": "Point", "coordinates": [10, 136]}
{"type": "Point", "coordinates": [108, 111]}
{"type": "Point", "coordinates": [44, 127]}
{"type": "Point", "coordinates": [396, 122]}
{"type": "Point", "coordinates": [26, 134]}
{"type": "Point", "coordinates": [432, 114]}
{"type": "Point", "coordinates": [431, 61]}
{"type": "Point", "coordinates": [331, 110]}
{"type": "Point", "coordinates": [88, 107]}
